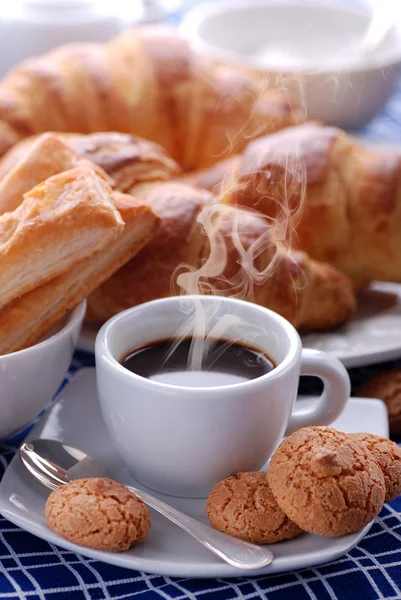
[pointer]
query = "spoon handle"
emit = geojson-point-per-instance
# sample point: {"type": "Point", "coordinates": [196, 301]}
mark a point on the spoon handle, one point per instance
{"type": "Point", "coordinates": [236, 552]}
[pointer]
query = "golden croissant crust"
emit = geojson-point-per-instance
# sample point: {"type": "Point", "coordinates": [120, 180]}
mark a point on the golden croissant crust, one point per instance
{"type": "Point", "coordinates": [146, 82]}
{"type": "Point", "coordinates": [307, 293]}
{"type": "Point", "coordinates": [342, 200]}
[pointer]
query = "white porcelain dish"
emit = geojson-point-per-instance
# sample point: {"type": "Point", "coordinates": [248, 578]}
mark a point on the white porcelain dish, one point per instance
{"type": "Point", "coordinates": [371, 336]}
{"type": "Point", "coordinates": [31, 27]}
{"type": "Point", "coordinates": [30, 378]}
{"type": "Point", "coordinates": [168, 551]}
{"type": "Point", "coordinates": [311, 48]}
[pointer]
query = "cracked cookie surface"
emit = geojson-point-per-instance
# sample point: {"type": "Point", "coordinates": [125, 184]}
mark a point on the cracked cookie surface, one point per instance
{"type": "Point", "coordinates": [98, 513]}
{"type": "Point", "coordinates": [326, 482]}
{"type": "Point", "coordinates": [388, 456]}
{"type": "Point", "coordinates": [386, 386]}
{"type": "Point", "coordinates": [243, 506]}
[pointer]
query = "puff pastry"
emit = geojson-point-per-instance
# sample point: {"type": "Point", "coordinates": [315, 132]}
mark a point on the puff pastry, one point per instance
{"type": "Point", "coordinates": [36, 161]}
{"type": "Point", "coordinates": [26, 319]}
{"type": "Point", "coordinates": [60, 222]}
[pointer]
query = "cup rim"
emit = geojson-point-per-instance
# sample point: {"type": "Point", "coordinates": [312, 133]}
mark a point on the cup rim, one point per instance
{"type": "Point", "coordinates": [102, 350]}
{"type": "Point", "coordinates": [75, 317]}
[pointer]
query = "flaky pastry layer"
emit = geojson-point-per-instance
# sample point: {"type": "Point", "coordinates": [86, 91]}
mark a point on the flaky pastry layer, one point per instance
{"type": "Point", "coordinates": [61, 221]}
{"type": "Point", "coordinates": [48, 155]}
{"type": "Point", "coordinates": [25, 320]}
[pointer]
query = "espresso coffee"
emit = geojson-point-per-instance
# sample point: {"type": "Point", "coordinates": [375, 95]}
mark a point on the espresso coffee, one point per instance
{"type": "Point", "coordinates": [226, 363]}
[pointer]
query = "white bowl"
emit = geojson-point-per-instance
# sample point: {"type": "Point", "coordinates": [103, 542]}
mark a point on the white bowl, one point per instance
{"type": "Point", "coordinates": [306, 51]}
{"type": "Point", "coordinates": [32, 27]}
{"type": "Point", "coordinates": [30, 378]}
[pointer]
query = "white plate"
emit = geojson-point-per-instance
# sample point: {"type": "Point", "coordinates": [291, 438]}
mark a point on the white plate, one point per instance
{"type": "Point", "coordinates": [372, 336]}
{"type": "Point", "coordinates": [76, 420]}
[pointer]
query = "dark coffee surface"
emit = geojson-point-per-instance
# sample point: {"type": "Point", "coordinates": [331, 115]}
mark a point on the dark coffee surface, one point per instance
{"type": "Point", "coordinates": [225, 363]}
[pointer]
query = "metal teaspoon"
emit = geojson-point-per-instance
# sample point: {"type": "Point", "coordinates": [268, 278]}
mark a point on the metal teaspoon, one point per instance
{"type": "Point", "coordinates": [54, 464]}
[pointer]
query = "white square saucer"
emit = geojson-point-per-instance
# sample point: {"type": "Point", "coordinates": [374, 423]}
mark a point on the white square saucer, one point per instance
{"type": "Point", "coordinates": [76, 420]}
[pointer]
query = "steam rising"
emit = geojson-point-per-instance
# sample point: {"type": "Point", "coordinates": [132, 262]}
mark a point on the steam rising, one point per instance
{"type": "Point", "coordinates": [223, 224]}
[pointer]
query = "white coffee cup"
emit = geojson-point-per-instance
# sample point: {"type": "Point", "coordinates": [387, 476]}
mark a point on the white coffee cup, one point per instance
{"type": "Point", "coordinates": [182, 440]}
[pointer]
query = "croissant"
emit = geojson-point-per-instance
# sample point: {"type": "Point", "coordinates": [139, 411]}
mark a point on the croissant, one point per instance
{"type": "Point", "coordinates": [309, 294]}
{"type": "Point", "coordinates": [147, 82]}
{"type": "Point", "coordinates": [343, 201]}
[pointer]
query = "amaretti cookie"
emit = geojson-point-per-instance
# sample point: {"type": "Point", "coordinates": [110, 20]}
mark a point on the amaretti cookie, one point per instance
{"type": "Point", "coordinates": [388, 456]}
{"type": "Point", "coordinates": [243, 506]}
{"type": "Point", "coordinates": [98, 513]}
{"type": "Point", "coordinates": [325, 481]}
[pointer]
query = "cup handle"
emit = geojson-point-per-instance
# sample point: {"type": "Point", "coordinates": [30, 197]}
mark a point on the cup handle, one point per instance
{"type": "Point", "coordinates": [336, 391]}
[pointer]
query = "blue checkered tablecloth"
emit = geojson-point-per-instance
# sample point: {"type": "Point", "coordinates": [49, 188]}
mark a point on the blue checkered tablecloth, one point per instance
{"type": "Point", "coordinates": [34, 569]}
